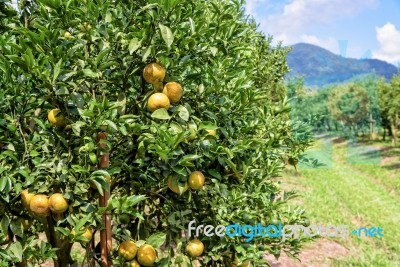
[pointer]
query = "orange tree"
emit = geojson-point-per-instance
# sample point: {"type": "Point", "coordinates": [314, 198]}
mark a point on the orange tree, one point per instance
{"type": "Point", "coordinates": [71, 74]}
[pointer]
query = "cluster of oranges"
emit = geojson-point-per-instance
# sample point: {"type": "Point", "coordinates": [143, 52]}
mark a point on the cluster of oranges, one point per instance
{"type": "Point", "coordinates": [144, 256]}
{"type": "Point", "coordinates": [171, 93]}
{"type": "Point", "coordinates": [41, 205]}
{"type": "Point", "coordinates": [164, 95]}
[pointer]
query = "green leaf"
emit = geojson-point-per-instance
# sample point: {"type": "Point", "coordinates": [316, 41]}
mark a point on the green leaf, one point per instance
{"type": "Point", "coordinates": [102, 173]}
{"type": "Point", "coordinates": [3, 182]}
{"type": "Point", "coordinates": [192, 25]}
{"type": "Point", "coordinates": [149, 6]}
{"type": "Point", "coordinates": [156, 240]}
{"type": "Point", "coordinates": [49, 3]}
{"type": "Point", "coordinates": [207, 126]}
{"type": "Point", "coordinates": [187, 160]}
{"type": "Point", "coordinates": [16, 250]}
{"type": "Point", "coordinates": [101, 55]}
{"type": "Point", "coordinates": [81, 223]}
{"type": "Point", "coordinates": [134, 45]}
{"type": "Point", "coordinates": [183, 113]}
{"type": "Point", "coordinates": [108, 17]}
{"type": "Point", "coordinates": [213, 50]}
{"type": "Point", "coordinates": [17, 228]}
{"type": "Point", "coordinates": [107, 65]}
{"type": "Point", "coordinates": [112, 124]}
{"type": "Point", "coordinates": [62, 91]}
{"type": "Point", "coordinates": [57, 69]}
{"type": "Point", "coordinates": [161, 114]}
{"type": "Point", "coordinates": [133, 200]}
{"type": "Point", "coordinates": [93, 157]}
{"type": "Point", "coordinates": [146, 53]}
{"type": "Point", "coordinates": [214, 173]}
{"type": "Point", "coordinates": [4, 223]}
{"type": "Point", "coordinates": [62, 230]}
{"type": "Point", "coordinates": [166, 34]}
{"type": "Point", "coordinates": [89, 73]}
{"type": "Point", "coordinates": [180, 170]}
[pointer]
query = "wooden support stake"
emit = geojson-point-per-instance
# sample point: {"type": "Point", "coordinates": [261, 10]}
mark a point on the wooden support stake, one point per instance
{"type": "Point", "coordinates": [105, 234]}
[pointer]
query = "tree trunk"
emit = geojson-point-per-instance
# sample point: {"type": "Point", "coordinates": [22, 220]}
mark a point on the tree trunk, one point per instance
{"type": "Point", "coordinates": [328, 124]}
{"type": "Point", "coordinates": [384, 134]}
{"type": "Point", "coordinates": [57, 241]}
{"type": "Point", "coordinates": [394, 128]}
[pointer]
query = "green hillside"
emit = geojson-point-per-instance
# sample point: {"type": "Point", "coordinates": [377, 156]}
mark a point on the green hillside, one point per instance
{"type": "Point", "coordinates": [319, 66]}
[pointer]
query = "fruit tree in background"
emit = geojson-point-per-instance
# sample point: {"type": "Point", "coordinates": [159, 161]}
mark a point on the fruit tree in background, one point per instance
{"type": "Point", "coordinates": [191, 99]}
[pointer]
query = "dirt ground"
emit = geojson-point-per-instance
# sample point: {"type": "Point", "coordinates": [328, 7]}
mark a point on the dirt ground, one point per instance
{"type": "Point", "coordinates": [318, 254]}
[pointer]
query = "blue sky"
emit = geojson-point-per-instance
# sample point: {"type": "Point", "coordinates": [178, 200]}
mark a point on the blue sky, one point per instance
{"type": "Point", "coordinates": [363, 28]}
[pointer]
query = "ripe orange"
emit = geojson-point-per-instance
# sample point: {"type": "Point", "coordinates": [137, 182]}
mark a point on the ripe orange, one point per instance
{"type": "Point", "coordinates": [39, 205]}
{"type": "Point", "coordinates": [211, 132]}
{"type": "Point", "coordinates": [154, 73]}
{"type": "Point", "coordinates": [67, 35]}
{"type": "Point", "coordinates": [57, 203]}
{"type": "Point", "coordinates": [56, 118]}
{"type": "Point", "coordinates": [146, 255]}
{"type": "Point", "coordinates": [174, 91]}
{"type": "Point", "coordinates": [127, 250]}
{"type": "Point", "coordinates": [26, 198]}
{"type": "Point", "coordinates": [133, 263]}
{"type": "Point", "coordinates": [195, 248]}
{"type": "Point", "coordinates": [157, 101]}
{"type": "Point", "coordinates": [196, 180]}
{"type": "Point", "coordinates": [175, 187]}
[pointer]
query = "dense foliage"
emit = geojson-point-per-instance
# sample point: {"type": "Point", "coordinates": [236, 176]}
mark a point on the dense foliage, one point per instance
{"type": "Point", "coordinates": [86, 58]}
{"type": "Point", "coordinates": [344, 109]}
{"type": "Point", "coordinates": [389, 94]}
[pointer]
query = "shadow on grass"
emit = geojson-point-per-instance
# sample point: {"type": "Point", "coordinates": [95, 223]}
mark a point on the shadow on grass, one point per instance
{"type": "Point", "coordinates": [392, 167]}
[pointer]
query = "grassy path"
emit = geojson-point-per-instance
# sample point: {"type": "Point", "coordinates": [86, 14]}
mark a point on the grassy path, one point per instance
{"type": "Point", "coordinates": [358, 195]}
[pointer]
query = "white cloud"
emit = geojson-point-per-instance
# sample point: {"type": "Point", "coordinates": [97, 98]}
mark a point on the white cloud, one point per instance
{"type": "Point", "coordinates": [389, 40]}
{"type": "Point", "coordinates": [251, 6]}
{"type": "Point", "coordinates": [296, 20]}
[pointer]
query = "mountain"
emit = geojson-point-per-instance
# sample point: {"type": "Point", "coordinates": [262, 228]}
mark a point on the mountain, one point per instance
{"type": "Point", "coordinates": [320, 67]}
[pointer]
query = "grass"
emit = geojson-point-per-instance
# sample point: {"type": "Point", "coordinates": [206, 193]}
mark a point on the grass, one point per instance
{"type": "Point", "coordinates": [354, 189]}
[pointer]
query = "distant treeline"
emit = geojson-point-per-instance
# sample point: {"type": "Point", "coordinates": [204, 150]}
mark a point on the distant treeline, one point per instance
{"type": "Point", "coordinates": [363, 106]}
